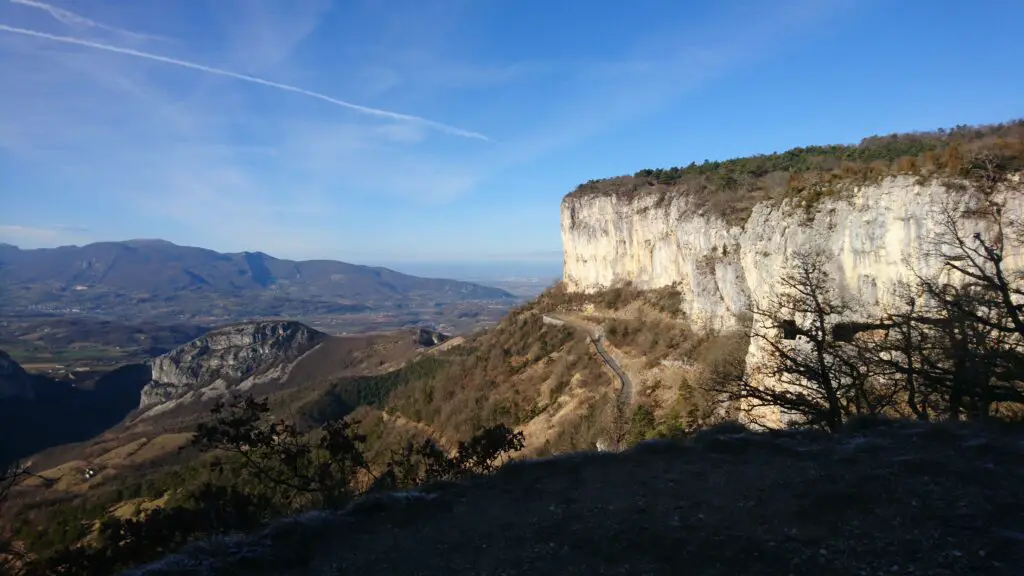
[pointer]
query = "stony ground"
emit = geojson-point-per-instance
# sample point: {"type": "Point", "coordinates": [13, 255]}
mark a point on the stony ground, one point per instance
{"type": "Point", "coordinates": [883, 499]}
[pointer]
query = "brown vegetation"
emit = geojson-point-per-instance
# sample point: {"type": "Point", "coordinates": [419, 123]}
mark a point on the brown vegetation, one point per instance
{"type": "Point", "coordinates": [654, 339]}
{"type": "Point", "coordinates": [698, 404]}
{"type": "Point", "coordinates": [492, 378]}
{"type": "Point", "coordinates": [666, 300]}
{"type": "Point", "coordinates": [673, 364]}
{"type": "Point", "coordinates": [12, 555]}
{"type": "Point", "coordinates": [260, 468]}
{"type": "Point", "coordinates": [894, 498]}
{"type": "Point", "coordinates": [731, 188]}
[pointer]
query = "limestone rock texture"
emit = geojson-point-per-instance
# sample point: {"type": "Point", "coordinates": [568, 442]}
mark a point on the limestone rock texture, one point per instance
{"type": "Point", "coordinates": [874, 234]}
{"type": "Point", "coordinates": [227, 358]}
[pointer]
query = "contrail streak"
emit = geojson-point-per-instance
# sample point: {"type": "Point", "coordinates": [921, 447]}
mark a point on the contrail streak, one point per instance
{"type": "Point", "coordinates": [246, 78]}
{"type": "Point", "coordinates": [69, 18]}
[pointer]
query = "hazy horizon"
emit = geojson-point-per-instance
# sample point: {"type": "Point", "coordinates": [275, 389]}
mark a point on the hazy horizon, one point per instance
{"type": "Point", "coordinates": [481, 271]}
{"type": "Point", "coordinates": [542, 267]}
{"type": "Point", "coordinates": [450, 131]}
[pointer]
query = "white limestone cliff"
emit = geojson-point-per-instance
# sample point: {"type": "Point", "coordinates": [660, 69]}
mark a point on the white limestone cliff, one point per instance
{"type": "Point", "coordinates": [719, 267]}
{"type": "Point", "coordinates": [871, 232]}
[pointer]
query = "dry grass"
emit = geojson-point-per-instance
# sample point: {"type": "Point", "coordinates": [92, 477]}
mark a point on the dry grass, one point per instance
{"type": "Point", "coordinates": [651, 338]}
{"type": "Point", "coordinates": [64, 477]}
{"type": "Point", "coordinates": [497, 376]}
{"type": "Point", "coordinates": [445, 346]}
{"type": "Point", "coordinates": [162, 445]}
{"type": "Point", "coordinates": [360, 354]}
{"type": "Point", "coordinates": [894, 498]}
{"type": "Point", "coordinates": [669, 364]}
{"type": "Point", "coordinates": [339, 357]}
{"type": "Point", "coordinates": [137, 507]}
{"type": "Point", "coordinates": [121, 453]}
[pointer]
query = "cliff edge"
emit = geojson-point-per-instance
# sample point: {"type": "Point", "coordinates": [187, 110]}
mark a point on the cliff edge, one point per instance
{"type": "Point", "coordinates": [872, 232]}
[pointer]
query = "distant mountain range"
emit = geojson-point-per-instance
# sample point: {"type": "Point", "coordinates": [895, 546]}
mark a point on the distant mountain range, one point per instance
{"type": "Point", "coordinates": [158, 278]}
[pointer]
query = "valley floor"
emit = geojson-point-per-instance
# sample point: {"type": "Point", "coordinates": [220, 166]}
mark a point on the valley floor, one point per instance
{"type": "Point", "coordinates": [894, 498]}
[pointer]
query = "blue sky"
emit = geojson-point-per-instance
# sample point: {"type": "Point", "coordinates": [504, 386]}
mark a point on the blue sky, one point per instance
{"type": "Point", "coordinates": [456, 126]}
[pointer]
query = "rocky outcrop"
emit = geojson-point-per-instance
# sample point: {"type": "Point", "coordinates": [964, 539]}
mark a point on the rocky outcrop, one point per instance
{"type": "Point", "coordinates": [14, 381]}
{"type": "Point", "coordinates": [427, 337]}
{"type": "Point", "coordinates": [872, 232]}
{"type": "Point", "coordinates": [229, 358]}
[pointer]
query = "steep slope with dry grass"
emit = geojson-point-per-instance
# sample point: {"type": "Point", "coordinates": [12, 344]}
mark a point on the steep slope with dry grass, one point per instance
{"type": "Point", "coordinates": [550, 382]}
{"type": "Point", "coordinates": [544, 379]}
{"type": "Point", "coordinates": [547, 381]}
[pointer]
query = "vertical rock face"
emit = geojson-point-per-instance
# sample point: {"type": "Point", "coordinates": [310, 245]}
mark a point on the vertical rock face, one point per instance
{"type": "Point", "coordinates": [872, 232]}
{"type": "Point", "coordinates": [873, 235]}
{"type": "Point", "coordinates": [14, 381]}
{"type": "Point", "coordinates": [231, 357]}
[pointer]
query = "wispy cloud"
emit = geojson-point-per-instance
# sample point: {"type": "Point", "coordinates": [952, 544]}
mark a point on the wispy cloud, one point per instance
{"type": "Point", "coordinates": [246, 78]}
{"type": "Point", "coordinates": [133, 143]}
{"type": "Point", "coordinates": [72, 19]}
{"type": "Point", "coordinates": [264, 33]}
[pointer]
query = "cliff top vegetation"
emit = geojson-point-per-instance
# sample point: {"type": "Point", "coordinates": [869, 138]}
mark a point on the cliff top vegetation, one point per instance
{"type": "Point", "coordinates": [732, 187]}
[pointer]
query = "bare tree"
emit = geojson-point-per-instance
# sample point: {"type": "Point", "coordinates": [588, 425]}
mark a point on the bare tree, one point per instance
{"type": "Point", "coordinates": [978, 262]}
{"type": "Point", "coordinates": [901, 354]}
{"type": "Point", "coordinates": [954, 344]}
{"type": "Point", "coordinates": [973, 306]}
{"type": "Point", "coordinates": [809, 368]}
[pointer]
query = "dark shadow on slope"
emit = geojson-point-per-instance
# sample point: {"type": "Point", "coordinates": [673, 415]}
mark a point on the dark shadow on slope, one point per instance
{"type": "Point", "coordinates": [62, 413]}
{"type": "Point", "coordinates": [877, 498]}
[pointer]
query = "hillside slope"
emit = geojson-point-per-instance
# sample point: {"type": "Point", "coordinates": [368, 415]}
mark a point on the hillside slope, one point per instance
{"type": "Point", "coordinates": [892, 498]}
{"type": "Point", "coordinates": [287, 361]}
{"type": "Point", "coordinates": [155, 276]}
{"type": "Point", "coordinates": [58, 412]}
{"type": "Point", "coordinates": [14, 381]}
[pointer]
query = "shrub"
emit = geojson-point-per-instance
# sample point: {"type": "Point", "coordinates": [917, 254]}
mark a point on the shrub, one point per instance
{"type": "Point", "coordinates": [731, 187]}
{"type": "Point", "coordinates": [277, 471]}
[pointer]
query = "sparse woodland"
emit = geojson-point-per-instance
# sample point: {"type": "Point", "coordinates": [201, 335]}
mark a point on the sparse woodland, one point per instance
{"type": "Point", "coordinates": [267, 468]}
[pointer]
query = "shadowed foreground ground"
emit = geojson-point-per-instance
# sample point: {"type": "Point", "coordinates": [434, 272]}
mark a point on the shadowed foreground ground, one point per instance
{"type": "Point", "coordinates": [893, 499]}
